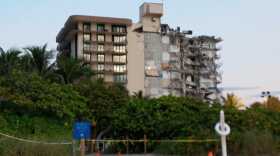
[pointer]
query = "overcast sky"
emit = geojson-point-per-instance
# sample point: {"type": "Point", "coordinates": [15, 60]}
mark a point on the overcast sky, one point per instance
{"type": "Point", "coordinates": [250, 29]}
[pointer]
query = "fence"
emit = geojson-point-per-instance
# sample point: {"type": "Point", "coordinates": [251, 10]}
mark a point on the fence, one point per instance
{"type": "Point", "coordinates": [14, 146]}
{"type": "Point", "coordinates": [160, 147]}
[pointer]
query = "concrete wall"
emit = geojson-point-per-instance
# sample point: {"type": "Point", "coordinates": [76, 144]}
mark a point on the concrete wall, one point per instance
{"type": "Point", "coordinates": [158, 56]}
{"type": "Point", "coordinates": [147, 9]}
{"type": "Point", "coordinates": [80, 42]}
{"type": "Point", "coordinates": [151, 24]}
{"type": "Point", "coordinates": [150, 14]}
{"type": "Point", "coordinates": [135, 57]}
{"type": "Point", "coordinates": [73, 48]}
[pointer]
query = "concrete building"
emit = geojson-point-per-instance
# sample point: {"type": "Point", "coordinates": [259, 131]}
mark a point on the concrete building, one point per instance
{"type": "Point", "coordinates": [146, 56]}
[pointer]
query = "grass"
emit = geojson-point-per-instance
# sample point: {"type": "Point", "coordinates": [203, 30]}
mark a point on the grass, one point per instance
{"type": "Point", "coordinates": [43, 129]}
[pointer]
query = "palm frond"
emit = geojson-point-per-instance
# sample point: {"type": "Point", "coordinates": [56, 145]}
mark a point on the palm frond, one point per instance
{"type": "Point", "coordinates": [41, 57]}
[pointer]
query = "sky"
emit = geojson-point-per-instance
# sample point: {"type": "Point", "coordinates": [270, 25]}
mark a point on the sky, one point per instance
{"type": "Point", "coordinates": [250, 29]}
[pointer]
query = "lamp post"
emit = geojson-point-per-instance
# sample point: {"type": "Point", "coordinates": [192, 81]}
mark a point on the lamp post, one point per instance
{"type": "Point", "coordinates": [265, 94]}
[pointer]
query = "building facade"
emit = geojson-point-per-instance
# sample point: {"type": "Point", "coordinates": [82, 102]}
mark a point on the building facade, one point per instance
{"type": "Point", "coordinates": [146, 56]}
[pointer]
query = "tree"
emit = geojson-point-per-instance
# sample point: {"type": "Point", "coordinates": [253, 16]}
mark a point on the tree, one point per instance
{"type": "Point", "coordinates": [167, 117]}
{"type": "Point", "coordinates": [257, 105]}
{"type": "Point", "coordinates": [26, 63]}
{"type": "Point", "coordinates": [9, 60]}
{"type": "Point", "coordinates": [272, 103]}
{"type": "Point", "coordinates": [29, 93]}
{"type": "Point", "coordinates": [40, 58]}
{"type": "Point", "coordinates": [69, 69]}
{"type": "Point", "coordinates": [103, 100]}
{"type": "Point", "coordinates": [234, 101]}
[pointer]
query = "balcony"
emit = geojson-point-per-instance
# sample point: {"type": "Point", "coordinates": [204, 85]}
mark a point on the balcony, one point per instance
{"type": "Point", "coordinates": [107, 62]}
{"type": "Point", "coordinates": [190, 83]}
{"type": "Point", "coordinates": [120, 42]}
{"type": "Point", "coordinates": [102, 42]}
{"type": "Point", "coordinates": [104, 71]}
{"type": "Point", "coordinates": [107, 50]}
{"type": "Point", "coordinates": [109, 70]}
{"type": "Point", "coordinates": [174, 85]}
{"type": "Point", "coordinates": [189, 71]}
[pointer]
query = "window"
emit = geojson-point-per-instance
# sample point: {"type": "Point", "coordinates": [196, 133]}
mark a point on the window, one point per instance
{"type": "Point", "coordinates": [100, 76]}
{"type": "Point", "coordinates": [119, 59]}
{"type": "Point", "coordinates": [100, 67]}
{"type": "Point", "coordinates": [212, 45]}
{"type": "Point", "coordinates": [100, 38]}
{"type": "Point", "coordinates": [86, 57]}
{"type": "Point", "coordinates": [87, 46]}
{"type": "Point", "coordinates": [119, 68]}
{"type": "Point", "coordinates": [119, 39]}
{"type": "Point", "coordinates": [100, 27]}
{"type": "Point", "coordinates": [119, 48]}
{"type": "Point", "coordinates": [100, 47]}
{"type": "Point", "coordinates": [87, 37]}
{"type": "Point", "coordinates": [120, 78]}
{"type": "Point", "coordinates": [119, 29]}
{"type": "Point", "coordinates": [100, 58]}
{"type": "Point", "coordinates": [86, 26]}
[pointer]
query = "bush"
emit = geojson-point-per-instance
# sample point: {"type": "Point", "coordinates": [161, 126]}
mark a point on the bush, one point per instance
{"type": "Point", "coordinates": [192, 149]}
{"type": "Point", "coordinates": [254, 143]}
{"type": "Point", "coordinates": [28, 93]}
{"type": "Point", "coordinates": [13, 148]}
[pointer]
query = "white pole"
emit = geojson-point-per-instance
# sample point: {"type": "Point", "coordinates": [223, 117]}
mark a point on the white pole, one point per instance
{"type": "Point", "coordinates": [223, 137]}
{"type": "Point", "coordinates": [223, 130]}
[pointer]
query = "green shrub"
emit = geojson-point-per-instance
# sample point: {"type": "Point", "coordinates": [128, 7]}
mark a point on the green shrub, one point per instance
{"type": "Point", "coordinates": [13, 148]}
{"type": "Point", "coordinates": [254, 143]}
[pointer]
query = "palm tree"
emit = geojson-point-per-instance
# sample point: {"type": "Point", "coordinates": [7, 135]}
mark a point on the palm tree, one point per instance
{"type": "Point", "coordinates": [70, 69]}
{"type": "Point", "coordinates": [40, 58]}
{"type": "Point", "coordinates": [234, 101]}
{"type": "Point", "coordinates": [9, 60]}
{"type": "Point", "coordinates": [26, 62]}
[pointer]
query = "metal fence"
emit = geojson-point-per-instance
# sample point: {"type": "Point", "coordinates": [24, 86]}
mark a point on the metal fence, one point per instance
{"type": "Point", "coordinates": [191, 147]}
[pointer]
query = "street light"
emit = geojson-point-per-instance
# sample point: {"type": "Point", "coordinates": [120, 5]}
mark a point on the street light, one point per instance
{"type": "Point", "coordinates": [265, 94]}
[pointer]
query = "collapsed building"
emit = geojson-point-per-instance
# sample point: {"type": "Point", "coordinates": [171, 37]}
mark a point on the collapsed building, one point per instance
{"type": "Point", "coordinates": [146, 56]}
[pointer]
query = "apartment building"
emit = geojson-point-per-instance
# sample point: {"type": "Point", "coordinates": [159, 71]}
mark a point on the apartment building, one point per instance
{"type": "Point", "coordinates": [99, 41]}
{"type": "Point", "coordinates": [146, 56]}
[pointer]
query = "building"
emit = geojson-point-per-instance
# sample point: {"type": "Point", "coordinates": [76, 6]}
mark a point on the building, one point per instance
{"type": "Point", "coordinates": [146, 56]}
{"type": "Point", "coordinates": [100, 41]}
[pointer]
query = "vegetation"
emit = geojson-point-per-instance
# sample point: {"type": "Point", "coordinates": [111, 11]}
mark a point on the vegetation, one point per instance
{"type": "Point", "coordinates": [272, 103]}
{"type": "Point", "coordinates": [67, 70]}
{"type": "Point", "coordinates": [234, 101]}
{"type": "Point", "coordinates": [40, 100]}
{"type": "Point", "coordinates": [39, 58]}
